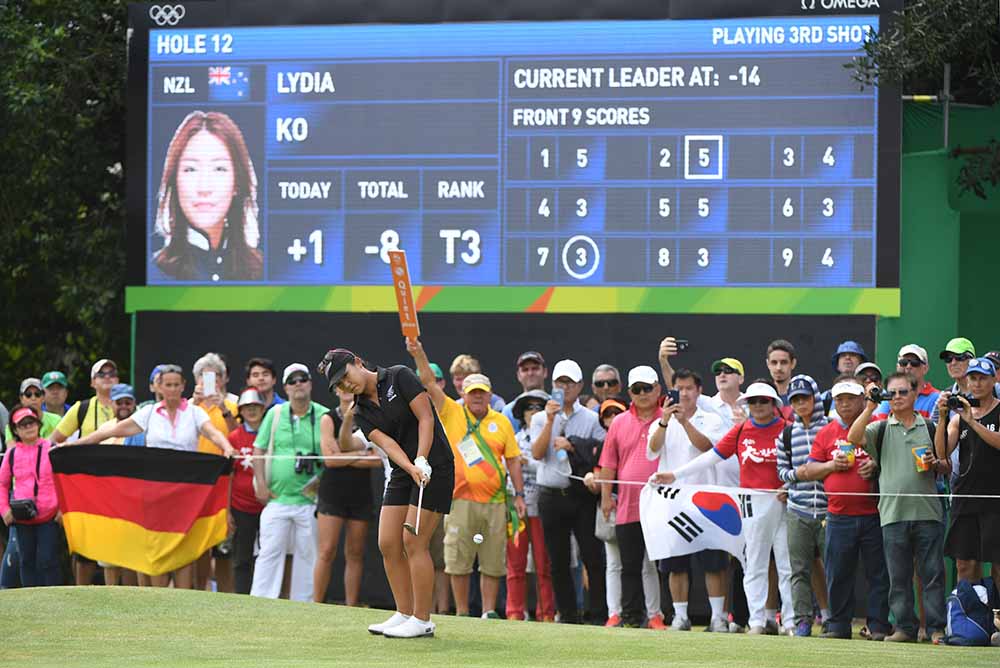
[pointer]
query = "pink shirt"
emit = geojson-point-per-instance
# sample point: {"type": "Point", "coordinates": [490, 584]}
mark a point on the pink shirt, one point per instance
{"type": "Point", "coordinates": [625, 451]}
{"type": "Point", "coordinates": [24, 479]}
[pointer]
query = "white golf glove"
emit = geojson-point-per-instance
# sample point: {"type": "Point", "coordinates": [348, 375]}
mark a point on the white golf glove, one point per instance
{"type": "Point", "coordinates": [425, 468]}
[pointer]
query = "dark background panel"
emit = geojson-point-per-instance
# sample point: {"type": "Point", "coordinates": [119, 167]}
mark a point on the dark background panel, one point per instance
{"type": "Point", "coordinates": [496, 339]}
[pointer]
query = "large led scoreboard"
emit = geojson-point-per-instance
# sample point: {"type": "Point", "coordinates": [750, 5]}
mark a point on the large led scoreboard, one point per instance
{"type": "Point", "coordinates": [718, 153]}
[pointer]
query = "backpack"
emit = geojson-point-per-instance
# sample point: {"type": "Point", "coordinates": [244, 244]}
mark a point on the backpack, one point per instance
{"type": "Point", "coordinates": [880, 437]}
{"type": "Point", "coordinates": [970, 621]}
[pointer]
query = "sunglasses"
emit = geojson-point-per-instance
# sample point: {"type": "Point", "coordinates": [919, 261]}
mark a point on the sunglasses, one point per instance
{"type": "Point", "coordinates": [897, 393]}
{"type": "Point", "coordinates": [757, 401]}
{"type": "Point", "coordinates": [106, 374]}
{"type": "Point", "coordinates": [297, 380]}
{"type": "Point", "coordinates": [606, 383]}
{"type": "Point", "coordinates": [725, 371]}
{"type": "Point", "coordinates": [871, 377]}
{"type": "Point", "coordinates": [909, 362]}
{"type": "Point", "coordinates": [640, 388]}
{"type": "Point", "coordinates": [534, 407]}
{"type": "Point", "coordinates": [956, 358]}
{"type": "Point", "coordinates": [33, 394]}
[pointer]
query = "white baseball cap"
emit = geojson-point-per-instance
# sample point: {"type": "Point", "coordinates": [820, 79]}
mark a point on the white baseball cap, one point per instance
{"type": "Point", "coordinates": [761, 390]}
{"type": "Point", "coordinates": [100, 364]}
{"type": "Point", "coordinates": [914, 349]}
{"type": "Point", "coordinates": [847, 387]}
{"type": "Point", "coordinates": [250, 396]}
{"type": "Point", "coordinates": [642, 374]}
{"type": "Point", "coordinates": [567, 369]}
{"type": "Point", "coordinates": [292, 368]}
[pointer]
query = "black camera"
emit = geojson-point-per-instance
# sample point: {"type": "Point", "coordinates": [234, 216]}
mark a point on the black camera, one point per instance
{"type": "Point", "coordinates": [23, 510]}
{"type": "Point", "coordinates": [954, 403]}
{"type": "Point", "coordinates": [303, 465]}
{"type": "Point", "coordinates": [878, 395]}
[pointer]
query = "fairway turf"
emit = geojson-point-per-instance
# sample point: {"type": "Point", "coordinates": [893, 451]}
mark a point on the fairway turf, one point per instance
{"type": "Point", "coordinates": [124, 626]}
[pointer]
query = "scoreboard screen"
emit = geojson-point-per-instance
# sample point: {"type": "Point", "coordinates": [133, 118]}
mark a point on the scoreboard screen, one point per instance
{"type": "Point", "coordinates": [725, 153]}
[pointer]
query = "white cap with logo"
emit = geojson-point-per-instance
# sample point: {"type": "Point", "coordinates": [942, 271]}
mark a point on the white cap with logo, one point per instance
{"type": "Point", "coordinates": [761, 390]}
{"type": "Point", "coordinates": [914, 349]}
{"type": "Point", "coordinates": [847, 387]}
{"type": "Point", "coordinates": [100, 364]}
{"type": "Point", "coordinates": [642, 374]}
{"type": "Point", "coordinates": [292, 368]}
{"type": "Point", "coordinates": [567, 369]}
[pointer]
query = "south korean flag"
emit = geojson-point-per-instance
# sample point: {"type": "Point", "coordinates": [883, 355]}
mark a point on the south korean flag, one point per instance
{"type": "Point", "coordinates": [679, 520]}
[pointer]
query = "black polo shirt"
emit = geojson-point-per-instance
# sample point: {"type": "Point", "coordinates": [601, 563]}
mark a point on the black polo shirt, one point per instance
{"type": "Point", "coordinates": [397, 386]}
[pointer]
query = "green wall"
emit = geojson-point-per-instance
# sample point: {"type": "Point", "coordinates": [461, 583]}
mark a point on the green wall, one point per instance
{"type": "Point", "coordinates": [947, 241]}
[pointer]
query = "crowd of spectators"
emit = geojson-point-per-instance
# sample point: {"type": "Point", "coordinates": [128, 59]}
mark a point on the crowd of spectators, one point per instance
{"type": "Point", "coordinates": [861, 465]}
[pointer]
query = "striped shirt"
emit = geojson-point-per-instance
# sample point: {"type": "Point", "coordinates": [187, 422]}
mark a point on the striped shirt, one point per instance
{"type": "Point", "coordinates": [806, 498]}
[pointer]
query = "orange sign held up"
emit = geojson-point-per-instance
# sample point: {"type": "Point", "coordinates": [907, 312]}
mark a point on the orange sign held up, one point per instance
{"type": "Point", "coordinates": [404, 294]}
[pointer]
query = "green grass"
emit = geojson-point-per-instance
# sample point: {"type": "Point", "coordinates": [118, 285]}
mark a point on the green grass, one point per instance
{"type": "Point", "coordinates": [72, 626]}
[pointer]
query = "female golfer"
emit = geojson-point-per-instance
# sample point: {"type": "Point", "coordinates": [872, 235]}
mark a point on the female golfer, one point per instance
{"type": "Point", "coordinates": [206, 207]}
{"type": "Point", "coordinates": [395, 413]}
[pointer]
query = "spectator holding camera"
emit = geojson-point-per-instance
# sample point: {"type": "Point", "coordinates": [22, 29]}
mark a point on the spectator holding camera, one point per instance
{"type": "Point", "coordinates": [755, 442]}
{"type": "Point", "coordinates": [974, 534]}
{"type": "Point", "coordinates": [566, 506]}
{"type": "Point", "coordinates": [912, 360]}
{"type": "Point", "coordinates": [289, 432]}
{"type": "Point", "coordinates": [32, 510]}
{"type": "Point", "coordinates": [911, 516]}
{"type": "Point", "coordinates": [210, 394]}
{"type": "Point", "coordinates": [683, 433]}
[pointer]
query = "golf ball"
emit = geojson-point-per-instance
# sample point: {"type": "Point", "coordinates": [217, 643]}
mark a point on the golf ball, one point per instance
{"type": "Point", "coordinates": [477, 539]}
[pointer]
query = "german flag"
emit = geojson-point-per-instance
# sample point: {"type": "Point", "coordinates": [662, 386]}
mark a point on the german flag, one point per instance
{"type": "Point", "coordinates": [152, 510]}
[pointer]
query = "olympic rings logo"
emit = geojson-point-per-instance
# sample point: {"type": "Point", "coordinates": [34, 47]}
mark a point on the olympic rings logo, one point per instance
{"type": "Point", "coordinates": [167, 15]}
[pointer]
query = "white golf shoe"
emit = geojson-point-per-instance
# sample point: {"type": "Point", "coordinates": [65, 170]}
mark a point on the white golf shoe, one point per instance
{"type": "Point", "coordinates": [396, 619]}
{"type": "Point", "coordinates": [411, 628]}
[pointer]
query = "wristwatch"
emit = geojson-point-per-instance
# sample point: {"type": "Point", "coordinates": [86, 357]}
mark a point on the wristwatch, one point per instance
{"type": "Point", "coordinates": [226, 413]}
{"type": "Point", "coordinates": [661, 423]}
{"type": "Point", "coordinates": [520, 494]}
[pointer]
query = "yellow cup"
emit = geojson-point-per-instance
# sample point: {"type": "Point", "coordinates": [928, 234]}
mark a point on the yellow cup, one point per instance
{"type": "Point", "coordinates": [847, 449]}
{"type": "Point", "coordinates": [918, 455]}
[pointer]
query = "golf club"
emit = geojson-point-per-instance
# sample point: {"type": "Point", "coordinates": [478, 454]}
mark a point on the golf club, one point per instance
{"type": "Point", "coordinates": [420, 502]}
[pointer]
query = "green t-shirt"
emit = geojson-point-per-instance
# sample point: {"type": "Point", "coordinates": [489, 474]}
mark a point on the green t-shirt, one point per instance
{"type": "Point", "coordinates": [49, 423]}
{"type": "Point", "coordinates": [293, 434]}
{"type": "Point", "coordinates": [898, 472]}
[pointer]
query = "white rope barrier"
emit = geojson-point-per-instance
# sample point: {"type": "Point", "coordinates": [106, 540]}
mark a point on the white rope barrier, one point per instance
{"type": "Point", "coordinates": [314, 457]}
{"type": "Point", "coordinates": [748, 490]}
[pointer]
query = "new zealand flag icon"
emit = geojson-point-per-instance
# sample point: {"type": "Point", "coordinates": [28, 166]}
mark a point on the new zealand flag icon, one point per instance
{"type": "Point", "coordinates": [721, 510]}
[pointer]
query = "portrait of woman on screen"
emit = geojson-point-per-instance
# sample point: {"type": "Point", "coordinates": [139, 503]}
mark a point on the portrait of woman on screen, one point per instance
{"type": "Point", "coordinates": [206, 208]}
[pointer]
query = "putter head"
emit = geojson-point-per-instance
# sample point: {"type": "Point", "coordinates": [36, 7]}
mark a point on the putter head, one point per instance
{"type": "Point", "coordinates": [409, 527]}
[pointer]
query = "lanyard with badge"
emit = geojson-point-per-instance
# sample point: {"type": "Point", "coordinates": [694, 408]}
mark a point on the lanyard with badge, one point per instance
{"type": "Point", "coordinates": [474, 450]}
{"type": "Point", "coordinates": [468, 447]}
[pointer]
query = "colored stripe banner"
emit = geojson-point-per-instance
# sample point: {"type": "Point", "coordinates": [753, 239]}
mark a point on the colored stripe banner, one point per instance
{"type": "Point", "coordinates": [152, 510]}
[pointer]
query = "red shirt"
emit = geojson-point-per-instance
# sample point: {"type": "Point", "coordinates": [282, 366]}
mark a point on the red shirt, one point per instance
{"type": "Point", "coordinates": [825, 445]}
{"type": "Point", "coordinates": [758, 452]}
{"type": "Point", "coordinates": [243, 498]}
{"type": "Point", "coordinates": [625, 450]}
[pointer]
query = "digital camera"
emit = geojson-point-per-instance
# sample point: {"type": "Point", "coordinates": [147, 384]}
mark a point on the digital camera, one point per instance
{"type": "Point", "coordinates": [954, 403]}
{"type": "Point", "coordinates": [303, 465]}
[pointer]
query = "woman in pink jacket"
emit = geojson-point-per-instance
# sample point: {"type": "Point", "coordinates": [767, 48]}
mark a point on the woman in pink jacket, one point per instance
{"type": "Point", "coordinates": [35, 524]}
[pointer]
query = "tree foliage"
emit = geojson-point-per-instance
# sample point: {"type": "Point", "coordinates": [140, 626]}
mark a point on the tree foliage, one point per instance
{"type": "Point", "coordinates": [62, 218]}
{"type": "Point", "coordinates": [912, 53]}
